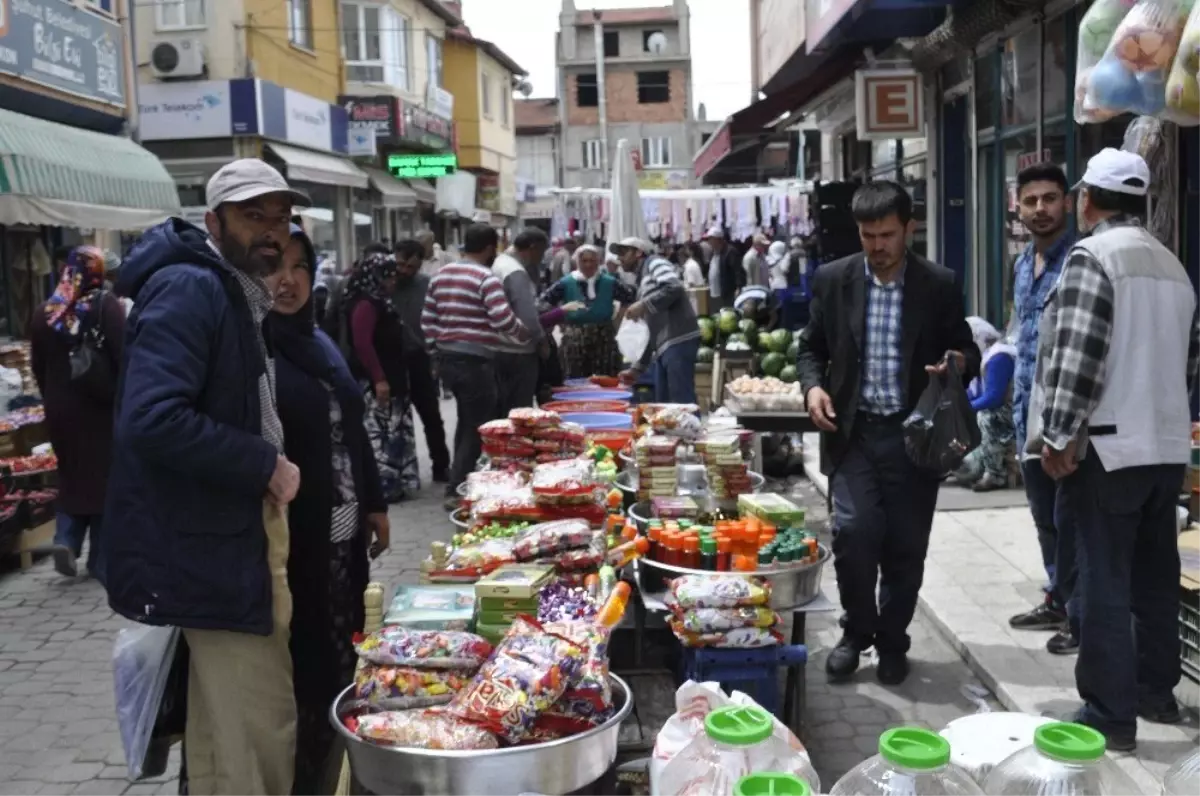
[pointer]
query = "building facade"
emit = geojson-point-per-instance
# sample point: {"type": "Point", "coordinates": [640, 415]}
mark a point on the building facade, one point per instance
{"type": "Point", "coordinates": [69, 173]}
{"type": "Point", "coordinates": [482, 78]}
{"type": "Point", "coordinates": [626, 74]}
{"type": "Point", "coordinates": [241, 78]}
{"type": "Point", "coordinates": [397, 103]}
{"type": "Point", "coordinates": [539, 165]}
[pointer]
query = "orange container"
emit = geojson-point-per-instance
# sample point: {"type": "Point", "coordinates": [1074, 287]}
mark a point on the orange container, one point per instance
{"type": "Point", "coordinates": [585, 406]}
{"type": "Point", "coordinates": [607, 382]}
{"type": "Point", "coordinates": [613, 440]}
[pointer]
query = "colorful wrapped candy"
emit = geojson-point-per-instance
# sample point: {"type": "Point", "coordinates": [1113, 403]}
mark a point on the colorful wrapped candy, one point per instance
{"type": "Point", "coordinates": [528, 418]}
{"type": "Point", "coordinates": [405, 688]}
{"type": "Point", "coordinates": [715, 620]}
{"type": "Point", "coordinates": [560, 602]}
{"type": "Point", "coordinates": [549, 538]}
{"type": "Point", "coordinates": [426, 649]}
{"type": "Point", "coordinates": [1183, 88]}
{"type": "Point", "coordinates": [737, 638]}
{"type": "Point", "coordinates": [528, 673]}
{"type": "Point", "coordinates": [590, 685]}
{"type": "Point", "coordinates": [432, 728]}
{"type": "Point", "coordinates": [706, 591]}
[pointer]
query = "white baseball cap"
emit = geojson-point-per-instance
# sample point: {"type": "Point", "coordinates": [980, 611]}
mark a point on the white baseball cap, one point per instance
{"type": "Point", "coordinates": [1117, 170]}
{"type": "Point", "coordinates": [644, 246]}
{"type": "Point", "coordinates": [246, 179]}
{"type": "Point", "coordinates": [715, 232]}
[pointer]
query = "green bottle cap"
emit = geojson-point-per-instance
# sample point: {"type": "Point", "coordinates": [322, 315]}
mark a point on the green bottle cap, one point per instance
{"type": "Point", "coordinates": [739, 725]}
{"type": "Point", "coordinates": [685, 524]}
{"type": "Point", "coordinates": [771, 783]}
{"type": "Point", "coordinates": [708, 546]}
{"type": "Point", "coordinates": [1072, 742]}
{"type": "Point", "coordinates": [915, 748]}
{"type": "Point", "coordinates": [765, 558]}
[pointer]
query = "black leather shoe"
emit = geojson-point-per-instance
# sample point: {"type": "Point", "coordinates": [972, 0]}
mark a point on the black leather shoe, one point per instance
{"type": "Point", "coordinates": [1166, 712]}
{"type": "Point", "coordinates": [892, 668]}
{"type": "Point", "coordinates": [441, 475]}
{"type": "Point", "coordinates": [842, 661]}
{"type": "Point", "coordinates": [1042, 617]}
{"type": "Point", "coordinates": [1063, 643]}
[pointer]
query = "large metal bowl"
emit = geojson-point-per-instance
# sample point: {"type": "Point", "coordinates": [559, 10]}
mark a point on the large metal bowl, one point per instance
{"type": "Point", "coordinates": [791, 586]}
{"type": "Point", "coordinates": [551, 768]}
{"type": "Point", "coordinates": [691, 479]}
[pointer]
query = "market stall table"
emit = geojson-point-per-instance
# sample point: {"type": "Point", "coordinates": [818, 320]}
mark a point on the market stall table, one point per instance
{"type": "Point", "coordinates": [773, 423]}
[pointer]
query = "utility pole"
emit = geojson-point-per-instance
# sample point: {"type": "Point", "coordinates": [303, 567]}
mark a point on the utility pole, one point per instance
{"type": "Point", "coordinates": [602, 102]}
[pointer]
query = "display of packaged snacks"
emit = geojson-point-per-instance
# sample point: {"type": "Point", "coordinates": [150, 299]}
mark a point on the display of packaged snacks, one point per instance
{"type": "Point", "coordinates": [525, 417]}
{"type": "Point", "coordinates": [675, 508]}
{"type": "Point", "coordinates": [772, 508]}
{"type": "Point", "coordinates": [431, 607]}
{"type": "Point", "coordinates": [405, 688]}
{"type": "Point", "coordinates": [586, 559]}
{"type": "Point", "coordinates": [571, 480]}
{"type": "Point", "coordinates": [523, 605]}
{"type": "Point", "coordinates": [549, 538]}
{"type": "Point", "coordinates": [471, 560]}
{"type": "Point", "coordinates": [393, 645]}
{"type": "Point", "coordinates": [712, 620]}
{"type": "Point", "coordinates": [433, 728]}
{"type": "Point", "coordinates": [511, 446]}
{"type": "Point", "coordinates": [484, 483]}
{"type": "Point", "coordinates": [737, 638]}
{"type": "Point", "coordinates": [511, 464]}
{"type": "Point", "coordinates": [655, 449]}
{"type": "Point", "coordinates": [676, 420]}
{"type": "Point", "coordinates": [519, 581]}
{"type": "Point", "coordinates": [720, 591]}
{"type": "Point", "coordinates": [517, 503]}
{"type": "Point", "coordinates": [528, 673]}
{"type": "Point", "coordinates": [561, 601]}
{"type": "Point", "coordinates": [591, 683]}
{"type": "Point", "coordinates": [497, 429]}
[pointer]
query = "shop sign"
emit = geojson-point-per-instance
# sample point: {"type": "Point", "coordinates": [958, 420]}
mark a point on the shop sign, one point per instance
{"type": "Point", "coordinates": [1027, 159]}
{"type": "Point", "coordinates": [362, 143]}
{"type": "Point", "coordinates": [55, 44]}
{"type": "Point", "coordinates": [295, 118]}
{"type": "Point", "coordinates": [820, 17]}
{"type": "Point", "coordinates": [420, 126]}
{"type": "Point", "coordinates": [660, 180]}
{"type": "Point", "coordinates": [187, 110]}
{"type": "Point", "coordinates": [487, 189]}
{"type": "Point", "coordinates": [377, 113]}
{"type": "Point", "coordinates": [408, 166]}
{"type": "Point", "coordinates": [889, 104]}
{"type": "Point", "coordinates": [440, 101]}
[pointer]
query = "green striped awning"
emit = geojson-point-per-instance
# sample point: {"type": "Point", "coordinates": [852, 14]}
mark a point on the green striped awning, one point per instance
{"type": "Point", "coordinates": [63, 176]}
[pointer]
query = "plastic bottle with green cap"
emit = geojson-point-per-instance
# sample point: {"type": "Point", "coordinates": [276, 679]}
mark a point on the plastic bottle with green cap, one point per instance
{"type": "Point", "coordinates": [1064, 759]}
{"type": "Point", "coordinates": [771, 783]}
{"type": "Point", "coordinates": [910, 760]}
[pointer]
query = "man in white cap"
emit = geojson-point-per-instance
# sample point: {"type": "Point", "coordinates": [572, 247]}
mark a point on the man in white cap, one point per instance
{"type": "Point", "coordinates": [754, 261]}
{"type": "Point", "coordinates": [674, 334]}
{"type": "Point", "coordinates": [725, 274]}
{"type": "Point", "coordinates": [1109, 415]}
{"type": "Point", "coordinates": [199, 483]}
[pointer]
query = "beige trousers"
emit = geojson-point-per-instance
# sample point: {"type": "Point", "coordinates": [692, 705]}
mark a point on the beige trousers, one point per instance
{"type": "Point", "coordinates": [241, 722]}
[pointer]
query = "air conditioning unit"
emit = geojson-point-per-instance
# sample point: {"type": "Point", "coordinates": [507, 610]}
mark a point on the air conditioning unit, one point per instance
{"type": "Point", "coordinates": [178, 57]}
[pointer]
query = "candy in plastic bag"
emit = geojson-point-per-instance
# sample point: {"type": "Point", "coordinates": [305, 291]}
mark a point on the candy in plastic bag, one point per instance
{"type": "Point", "coordinates": [722, 591]}
{"type": "Point", "coordinates": [433, 649]}
{"type": "Point", "coordinates": [432, 728]}
{"type": "Point", "coordinates": [715, 620]}
{"type": "Point", "coordinates": [737, 638]}
{"type": "Point", "coordinates": [1183, 89]}
{"type": "Point", "coordinates": [549, 538]}
{"type": "Point", "coordinates": [591, 683]}
{"type": "Point", "coordinates": [404, 687]}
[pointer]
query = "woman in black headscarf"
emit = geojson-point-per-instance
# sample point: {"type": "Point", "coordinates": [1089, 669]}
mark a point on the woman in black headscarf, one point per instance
{"type": "Point", "coordinates": [338, 509]}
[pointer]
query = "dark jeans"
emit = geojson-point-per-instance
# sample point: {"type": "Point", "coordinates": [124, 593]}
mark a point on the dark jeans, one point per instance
{"type": "Point", "coordinates": [71, 529]}
{"type": "Point", "coordinates": [516, 381]}
{"type": "Point", "coordinates": [424, 394]}
{"type": "Point", "coordinates": [1056, 536]}
{"type": "Point", "coordinates": [883, 508]}
{"type": "Point", "coordinates": [1128, 590]}
{"type": "Point", "coordinates": [675, 373]}
{"type": "Point", "coordinates": [472, 380]}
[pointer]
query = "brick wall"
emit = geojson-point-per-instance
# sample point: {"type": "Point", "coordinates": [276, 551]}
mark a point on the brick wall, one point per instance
{"type": "Point", "coordinates": [622, 97]}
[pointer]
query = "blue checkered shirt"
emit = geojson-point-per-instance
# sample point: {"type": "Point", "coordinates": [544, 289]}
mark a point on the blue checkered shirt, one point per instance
{"type": "Point", "coordinates": [882, 371]}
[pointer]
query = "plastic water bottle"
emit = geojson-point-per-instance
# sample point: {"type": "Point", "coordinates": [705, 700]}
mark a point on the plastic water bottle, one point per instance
{"type": "Point", "coordinates": [1066, 760]}
{"type": "Point", "coordinates": [1183, 777]}
{"type": "Point", "coordinates": [912, 761]}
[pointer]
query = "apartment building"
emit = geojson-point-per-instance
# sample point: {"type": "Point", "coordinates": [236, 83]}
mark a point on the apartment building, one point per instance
{"type": "Point", "coordinates": [627, 73]}
{"type": "Point", "coordinates": [539, 165]}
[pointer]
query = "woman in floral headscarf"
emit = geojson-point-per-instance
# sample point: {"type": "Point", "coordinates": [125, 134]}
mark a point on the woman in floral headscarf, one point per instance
{"type": "Point", "coordinates": [986, 467]}
{"type": "Point", "coordinates": [377, 361]}
{"type": "Point", "coordinates": [78, 420]}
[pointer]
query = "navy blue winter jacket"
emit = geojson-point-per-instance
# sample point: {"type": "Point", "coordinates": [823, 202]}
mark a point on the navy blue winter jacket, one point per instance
{"type": "Point", "coordinates": [185, 537]}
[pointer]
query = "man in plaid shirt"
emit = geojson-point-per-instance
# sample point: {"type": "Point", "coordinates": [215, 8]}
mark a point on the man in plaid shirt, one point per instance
{"type": "Point", "coordinates": [880, 323]}
{"type": "Point", "coordinates": [1110, 418]}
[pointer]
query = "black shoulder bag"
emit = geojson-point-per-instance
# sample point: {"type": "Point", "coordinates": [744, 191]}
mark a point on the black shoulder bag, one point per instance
{"type": "Point", "coordinates": [92, 369]}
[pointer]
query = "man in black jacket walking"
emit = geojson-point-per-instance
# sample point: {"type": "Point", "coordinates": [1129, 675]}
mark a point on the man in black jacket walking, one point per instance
{"type": "Point", "coordinates": [725, 273]}
{"type": "Point", "coordinates": [880, 323]}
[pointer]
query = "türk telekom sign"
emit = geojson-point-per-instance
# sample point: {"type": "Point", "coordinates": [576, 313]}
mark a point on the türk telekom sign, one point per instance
{"type": "Point", "coordinates": [890, 104]}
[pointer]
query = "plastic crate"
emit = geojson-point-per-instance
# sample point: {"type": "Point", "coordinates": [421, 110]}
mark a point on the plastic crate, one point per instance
{"type": "Point", "coordinates": [1189, 634]}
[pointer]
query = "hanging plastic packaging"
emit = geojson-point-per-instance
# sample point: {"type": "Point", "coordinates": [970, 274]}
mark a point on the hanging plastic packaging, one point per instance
{"type": "Point", "coordinates": [1183, 87]}
{"type": "Point", "coordinates": [142, 658]}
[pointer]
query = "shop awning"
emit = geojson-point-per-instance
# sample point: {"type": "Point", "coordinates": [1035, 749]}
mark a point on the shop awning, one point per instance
{"type": "Point", "coordinates": [395, 193]}
{"type": "Point", "coordinates": [425, 192]}
{"type": "Point", "coordinates": [62, 176]}
{"type": "Point", "coordinates": [306, 166]}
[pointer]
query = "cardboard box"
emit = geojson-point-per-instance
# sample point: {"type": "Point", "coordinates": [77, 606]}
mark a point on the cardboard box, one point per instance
{"type": "Point", "coordinates": [518, 581]}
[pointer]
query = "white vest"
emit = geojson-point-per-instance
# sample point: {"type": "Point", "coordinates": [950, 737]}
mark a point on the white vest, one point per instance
{"type": "Point", "coordinates": [1143, 417]}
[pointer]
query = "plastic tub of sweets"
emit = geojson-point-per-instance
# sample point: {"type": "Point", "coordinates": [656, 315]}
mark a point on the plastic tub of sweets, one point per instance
{"type": "Point", "coordinates": [792, 585]}
{"type": "Point", "coordinates": [600, 421]}
{"type": "Point", "coordinates": [555, 767]}
{"type": "Point", "coordinates": [593, 395]}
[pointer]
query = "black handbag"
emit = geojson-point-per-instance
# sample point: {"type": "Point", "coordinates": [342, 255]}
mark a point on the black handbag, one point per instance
{"type": "Point", "coordinates": [91, 366]}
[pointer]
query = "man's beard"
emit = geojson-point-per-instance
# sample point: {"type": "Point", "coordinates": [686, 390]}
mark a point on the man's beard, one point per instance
{"type": "Point", "coordinates": [250, 259]}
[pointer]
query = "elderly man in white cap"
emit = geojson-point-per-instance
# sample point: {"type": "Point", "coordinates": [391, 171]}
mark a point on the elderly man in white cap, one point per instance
{"type": "Point", "coordinates": [754, 261]}
{"type": "Point", "coordinates": [195, 525]}
{"type": "Point", "coordinates": [725, 273]}
{"type": "Point", "coordinates": [674, 334]}
{"type": "Point", "coordinates": [1119, 348]}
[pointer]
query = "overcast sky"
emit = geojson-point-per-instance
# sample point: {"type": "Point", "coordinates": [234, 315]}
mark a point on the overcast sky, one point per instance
{"type": "Point", "coordinates": [720, 43]}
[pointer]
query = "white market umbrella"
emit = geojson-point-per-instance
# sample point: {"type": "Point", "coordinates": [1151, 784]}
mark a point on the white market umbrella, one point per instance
{"type": "Point", "coordinates": [626, 219]}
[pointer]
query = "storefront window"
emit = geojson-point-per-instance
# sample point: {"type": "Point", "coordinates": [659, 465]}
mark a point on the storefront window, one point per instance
{"type": "Point", "coordinates": [1019, 151]}
{"type": "Point", "coordinates": [985, 92]}
{"type": "Point", "coordinates": [883, 153]}
{"type": "Point", "coordinates": [912, 177]}
{"type": "Point", "coordinates": [1054, 70]}
{"type": "Point", "coordinates": [1019, 78]}
{"type": "Point", "coordinates": [985, 228]}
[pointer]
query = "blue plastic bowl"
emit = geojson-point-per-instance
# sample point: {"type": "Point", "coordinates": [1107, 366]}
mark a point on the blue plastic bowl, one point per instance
{"type": "Point", "coordinates": [593, 395]}
{"type": "Point", "coordinates": [595, 421]}
{"type": "Point", "coordinates": [578, 383]}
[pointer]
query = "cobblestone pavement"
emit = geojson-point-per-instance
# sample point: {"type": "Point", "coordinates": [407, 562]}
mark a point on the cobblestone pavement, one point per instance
{"type": "Point", "coordinates": [58, 731]}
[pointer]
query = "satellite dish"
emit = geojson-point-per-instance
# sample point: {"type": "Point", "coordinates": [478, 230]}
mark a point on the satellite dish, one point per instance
{"type": "Point", "coordinates": [657, 42]}
{"type": "Point", "coordinates": [524, 88]}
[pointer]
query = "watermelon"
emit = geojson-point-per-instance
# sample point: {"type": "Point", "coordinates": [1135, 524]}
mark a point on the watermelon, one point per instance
{"type": "Point", "coordinates": [748, 328]}
{"type": "Point", "coordinates": [708, 330]}
{"type": "Point", "coordinates": [793, 352]}
{"type": "Point", "coordinates": [789, 374]}
{"type": "Point", "coordinates": [779, 340]}
{"type": "Point", "coordinates": [772, 364]}
{"type": "Point", "coordinates": [705, 354]}
{"type": "Point", "coordinates": [736, 337]}
{"type": "Point", "coordinates": [727, 321]}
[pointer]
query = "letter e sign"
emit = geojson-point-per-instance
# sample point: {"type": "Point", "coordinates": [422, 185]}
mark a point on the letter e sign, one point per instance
{"type": "Point", "coordinates": [890, 104]}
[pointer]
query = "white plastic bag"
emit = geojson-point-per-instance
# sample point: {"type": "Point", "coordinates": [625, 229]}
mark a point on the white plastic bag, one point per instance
{"type": "Point", "coordinates": [672, 771]}
{"type": "Point", "coordinates": [632, 339]}
{"type": "Point", "coordinates": [142, 657]}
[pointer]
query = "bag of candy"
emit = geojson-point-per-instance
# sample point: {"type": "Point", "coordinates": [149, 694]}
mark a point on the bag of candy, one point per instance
{"type": "Point", "coordinates": [716, 620]}
{"type": "Point", "coordinates": [405, 688]}
{"type": "Point", "coordinates": [497, 430]}
{"type": "Point", "coordinates": [527, 674]}
{"type": "Point", "coordinates": [737, 638]}
{"type": "Point", "coordinates": [425, 649]}
{"type": "Point", "coordinates": [677, 420]}
{"type": "Point", "coordinates": [591, 684]}
{"type": "Point", "coordinates": [471, 560]}
{"type": "Point", "coordinates": [548, 538]}
{"type": "Point", "coordinates": [588, 557]}
{"type": "Point", "coordinates": [515, 504]}
{"type": "Point", "coordinates": [432, 728]}
{"type": "Point", "coordinates": [707, 591]}
{"type": "Point", "coordinates": [526, 417]}
{"type": "Point", "coordinates": [563, 602]}
{"type": "Point", "coordinates": [512, 446]}
{"type": "Point", "coordinates": [571, 480]}
{"type": "Point", "coordinates": [485, 483]}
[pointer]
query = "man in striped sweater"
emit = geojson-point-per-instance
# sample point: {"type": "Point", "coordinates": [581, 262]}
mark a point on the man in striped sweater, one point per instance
{"type": "Point", "coordinates": [466, 319]}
